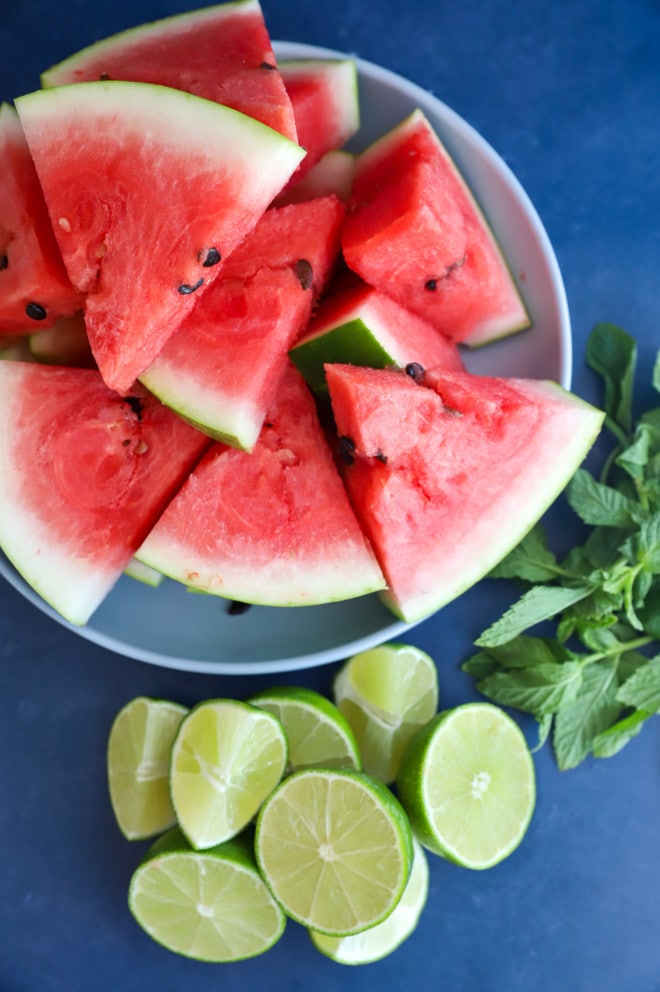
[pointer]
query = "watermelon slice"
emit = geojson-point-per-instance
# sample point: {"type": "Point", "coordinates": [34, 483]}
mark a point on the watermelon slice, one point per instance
{"type": "Point", "coordinates": [416, 232]}
{"type": "Point", "coordinates": [84, 474]}
{"type": "Point", "coordinates": [363, 326]}
{"type": "Point", "coordinates": [447, 476]}
{"type": "Point", "coordinates": [245, 324]}
{"type": "Point", "coordinates": [148, 188]}
{"type": "Point", "coordinates": [34, 287]}
{"type": "Point", "coordinates": [326, 109]}
{"type": "Point", "coordinates": [272, 527]}
{"type": "Point", "coordinates": [222, 53]}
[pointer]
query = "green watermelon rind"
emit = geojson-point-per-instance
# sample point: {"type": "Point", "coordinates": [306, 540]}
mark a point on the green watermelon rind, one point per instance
{"type": "Point", "coordinates": [345, 84]}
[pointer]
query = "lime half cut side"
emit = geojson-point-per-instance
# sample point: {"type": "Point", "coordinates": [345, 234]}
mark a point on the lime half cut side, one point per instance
{"type": "Point", "coordinates": [138, 761]}
{"type": "Point", "coordinates": [335, 848]}
{"type": "Point", "coordinates": [386, 694]}
{"type": "Point", "coordinates": [380, 941]}
{"type": "Point", "coordinates": [227, 757]}
{"type": "Point", "coordinates": [467, 782]}
{"type": "Point", "coordinates": [318, 734]}
{"type": "Point", "coordinates": [210, 905]}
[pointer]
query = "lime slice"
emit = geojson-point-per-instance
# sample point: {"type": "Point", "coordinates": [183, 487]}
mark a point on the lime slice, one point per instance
{"type": "Point", "coordinates": [138, 760]}
{"type": "Point", "coordinates": [335, 847]}
{"type": "Point", "coordinates": [468, 785]}
{"type": "Point", "coordinates": [386, 694]}
{"type": "Point", "coordinates": [379, 941]}
{"type": "Point", "coordinates": [211, 905]}
{"type": "Point", "coordinates": [318, 734]}
{"type": "Point", "coordinates": [227, 757]}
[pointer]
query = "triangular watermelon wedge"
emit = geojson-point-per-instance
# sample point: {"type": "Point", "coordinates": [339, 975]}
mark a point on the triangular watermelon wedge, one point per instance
{"type": "Point", "coordinates": [84, 474]}
{"type": "Point", "coordinates": [272, 527]}
{"type": "Point", "coordinates": [34, 287]}
{"type": "Point", "coordinates": [148, 188]}
{"type": "Point", "coordinates": [221, 53]}
{"type": "Point", "coordinates": [448, 474]}
{"type": "Point", "coordinates": [245, 324]}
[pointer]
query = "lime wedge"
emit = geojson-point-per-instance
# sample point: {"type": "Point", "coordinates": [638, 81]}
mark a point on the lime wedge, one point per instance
{"type": "Point", "coordinates": [227, 757]}
{"type": "Point", "coordinates": [468, 785]}
{"type": "Point", "coordinates": [318, 734]}
{"type": "Point", "coordinates": [138, 760]}
{"type": "Point", "coordinates": [211, 905]}
{"type": "Point", "coordinates": [335, 847]}
{"type": "Point", "coordinates": [386, 694]}
{"type": "Point", "coordinates": [379, 941]}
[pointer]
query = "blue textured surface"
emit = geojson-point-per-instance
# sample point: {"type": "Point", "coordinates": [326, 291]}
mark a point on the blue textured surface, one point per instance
{"type": "Point", "coordinates": [568, 93]}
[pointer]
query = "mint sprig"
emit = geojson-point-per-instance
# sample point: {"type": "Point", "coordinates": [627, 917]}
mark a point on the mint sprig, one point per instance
{"type": "Point", "coordinates": [594, 680]}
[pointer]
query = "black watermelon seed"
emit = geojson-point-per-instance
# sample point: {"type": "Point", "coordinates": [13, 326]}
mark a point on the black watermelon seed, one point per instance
{"type": "Point", "coordinates": [267, 65]}
{"type": "Point", "coordinates": [104, 77]}
{"type": "Point", "coordinates": [135, 404]}
{"type": "Point", "coordinates": [382, 457]}
{"type": "Point", "coordinates": [213, 256]}
{"type": "Point", "coordinates": [431, 285]}
{"type": "Point", "coordinates": [346, 449]}
{"type": "Point", "coordinates": [185, 289]}
{"type": "Point", "coordinates": [4, 262]}
{"type": "Point", "coordinates": [235, 608]}
{"type": "Point", "coordinates": [35, 311]}
{"type": "Point", "coordinates": [415, 371]}
{"type": "Point", "coordinates": [304, 272]}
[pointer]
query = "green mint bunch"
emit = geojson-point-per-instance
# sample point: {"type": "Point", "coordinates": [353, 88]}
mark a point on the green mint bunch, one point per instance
{"type": "Point", "coordinates": [595, 680]}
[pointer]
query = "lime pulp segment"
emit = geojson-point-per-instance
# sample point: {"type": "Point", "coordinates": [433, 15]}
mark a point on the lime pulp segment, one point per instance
{"type": "Point", "coordinates": [227, 757]}
{"type": "Point", "coordinates": [138, 759]}
{"type": "Point", "coordinates": [335, 847]}
{"type": "Point", "coordinates": [467, 782]}
{"type": "Point", "coordinates": [211, 905]}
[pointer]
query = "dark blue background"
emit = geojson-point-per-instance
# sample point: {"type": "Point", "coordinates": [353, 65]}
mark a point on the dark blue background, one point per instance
{"type": "Point", "coordinates": [568, 93]}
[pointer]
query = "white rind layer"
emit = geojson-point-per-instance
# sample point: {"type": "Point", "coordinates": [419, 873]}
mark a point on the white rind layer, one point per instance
{"type": "Point", "coordinates": [72, 586]}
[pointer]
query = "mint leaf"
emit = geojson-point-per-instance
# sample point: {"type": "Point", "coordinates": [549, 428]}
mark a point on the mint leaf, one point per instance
{"type": "Point", "coordinates": [609, 742]}
{"type": "Point", "coordinates": [613, 354]}
{"type": "Point", "coordinates": [635, 457]}
{"type": "Point", "coordinates": [592, 711]}
{"type": "Point", "coordinates": [537, 604]}
{"type": "Point", "coordinates": [642, 689]}
{"type": "Point", "coordinates": [480, 665]}
{"type": "Point", "coordinates": [601, 505]}
{"type": "Point", "coordinates": [540, 690]}
{"type": "Point", "coordinates": [530, 560]}
{"type": "Point", "coordinates": [648, 545]}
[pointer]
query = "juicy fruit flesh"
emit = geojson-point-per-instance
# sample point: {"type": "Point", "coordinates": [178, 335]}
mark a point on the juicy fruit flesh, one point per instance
{"type": "Point", "coordinates": [504, 449]}
{"type": "Point", "coordinates": [222, 53]}
{"type": "Point", "coordinates": [226, 759]}
{"type": "Point", "coordinates": [204, 160]}
{"type": "Point", "coordinates": [468, 784]}
{"type": "Point", "coordinates": [211, 907]}
{"type": "Point", "coordinates": [334, 849]}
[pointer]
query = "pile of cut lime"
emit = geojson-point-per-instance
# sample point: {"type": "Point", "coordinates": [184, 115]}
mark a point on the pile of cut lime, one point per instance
{"type": "Point", "coordinates": [291, 806]}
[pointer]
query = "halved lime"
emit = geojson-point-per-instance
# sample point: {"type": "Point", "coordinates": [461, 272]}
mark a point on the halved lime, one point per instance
{"type": "Point", "coordinates": [227, 757]}
{"type": "Point", "coordinates": [138, 761]}
{"type": "Point", "coordinates": [468, 785]}
{"type": "Point", "coordinates": [318, 734]}
{"type": "Point", "coordinates": [211, 905]}
{"type": "Point", "coordinates": [379, 941]}
{"type": "Point", "coordinates": [335, 847]}
{"type": "Point", "coordinates": [386, 694]}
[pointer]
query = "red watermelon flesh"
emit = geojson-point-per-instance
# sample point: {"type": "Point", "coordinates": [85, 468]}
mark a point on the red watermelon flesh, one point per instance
{"type": "Point", "coordinates": [324, 96]}
{"type": "Point", "coordinates": [273, 526]}
{"type": "Point", "coordinates": [245, 324]}
{"type": "Point", "coordinates": [446, 477]}
{"type": "Point", "coordinates": [85, 474]}
{"type": "Point", "coordinates": [34, 287]}
{"type": "Point", "coordinates": [148, 188]}
{"type": "Point", "coordinates": [416, 232]}
{"type": "Point", "coordinates": [222, 53]}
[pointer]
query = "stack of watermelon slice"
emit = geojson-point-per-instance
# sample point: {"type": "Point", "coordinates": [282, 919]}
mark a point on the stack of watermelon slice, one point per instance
{"type": "Point", "coordinates": [190, 266]}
